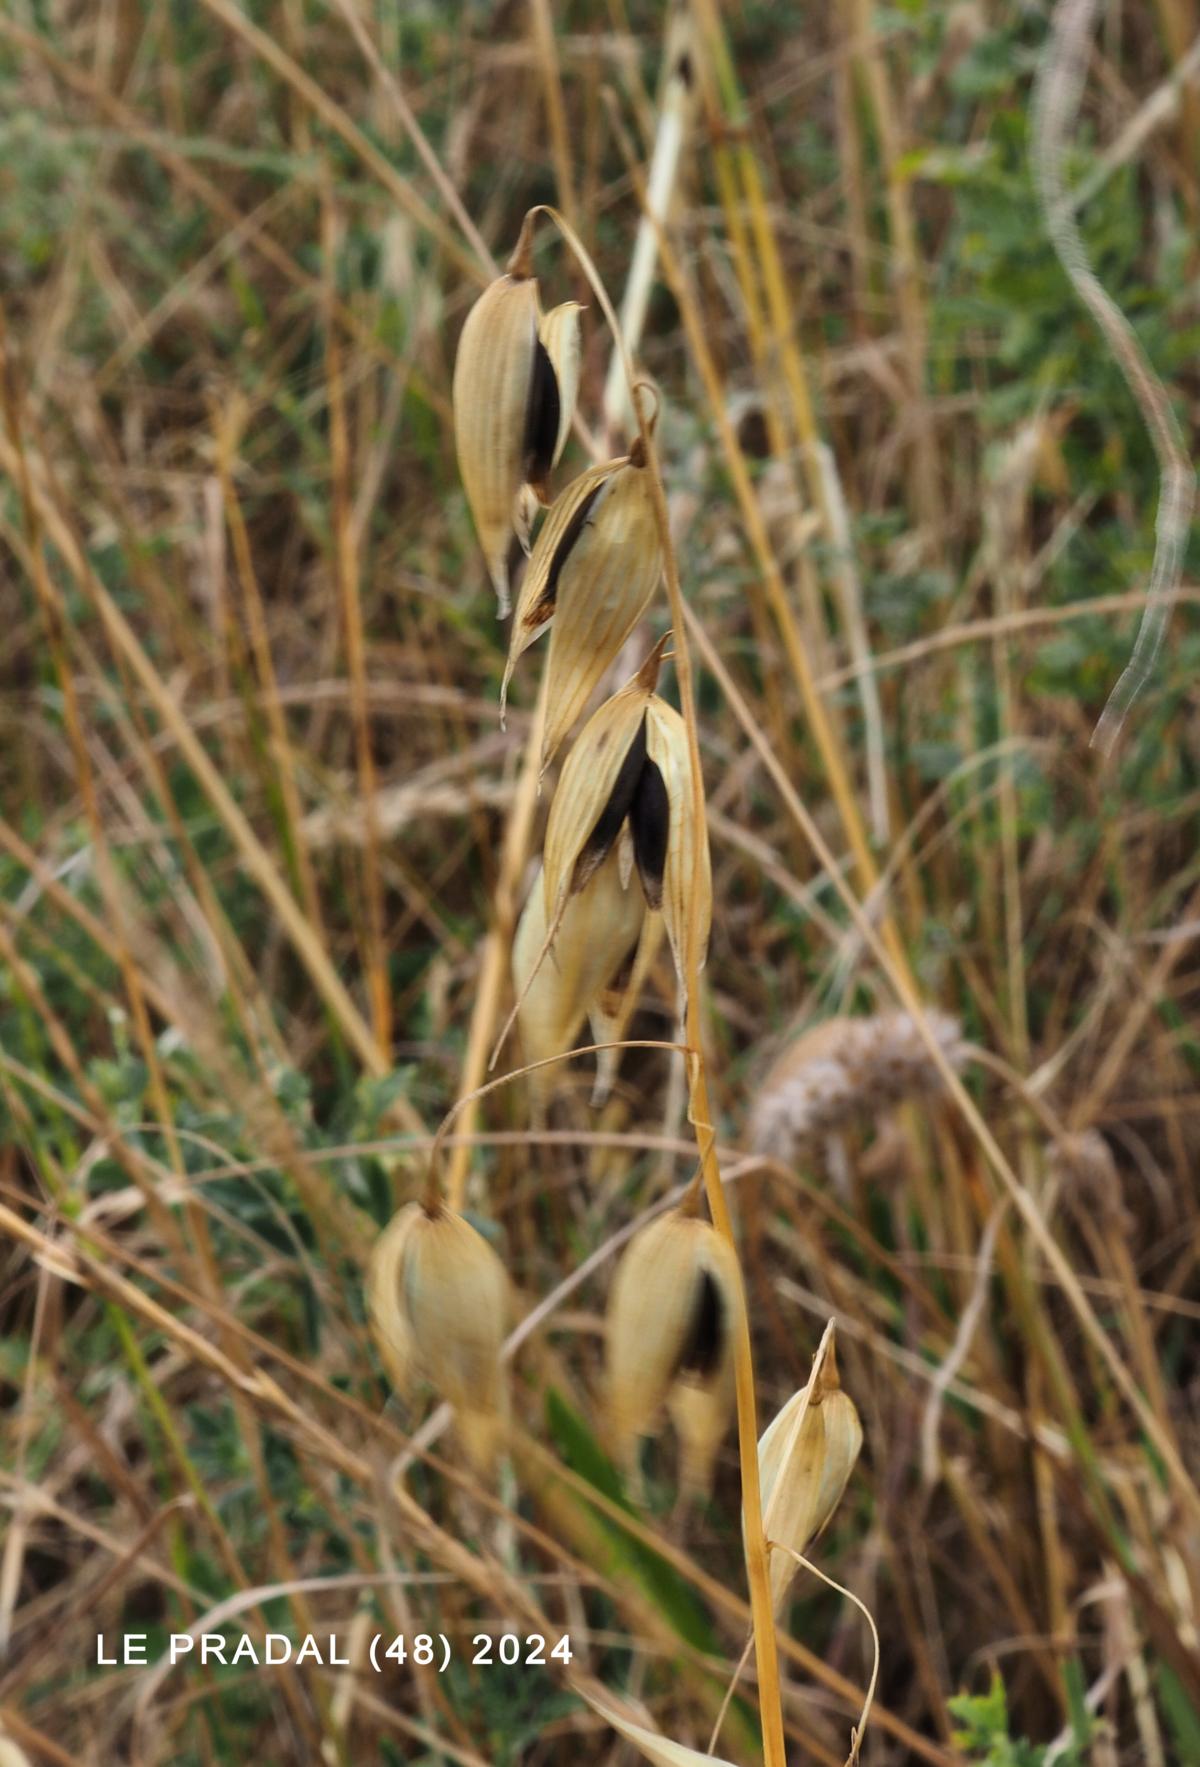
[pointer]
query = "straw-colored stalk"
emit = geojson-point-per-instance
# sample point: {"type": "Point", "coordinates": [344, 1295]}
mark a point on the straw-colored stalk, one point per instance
{"type": "Point", "coordinates": [769, 1690]}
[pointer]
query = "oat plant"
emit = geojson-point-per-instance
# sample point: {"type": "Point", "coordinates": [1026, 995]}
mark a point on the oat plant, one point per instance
{"type": "Point", "coordinates": [625, 859]}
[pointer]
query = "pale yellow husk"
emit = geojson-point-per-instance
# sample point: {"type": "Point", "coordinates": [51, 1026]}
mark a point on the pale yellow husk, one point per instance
{"type": "Point", "coordinates": [438, 1301]}
{"type": "Point", "coordinates": [805, 1457]}
{"type": "Point", "coordinates": [604, 588]}
{"type": "Point", "coordinates": [609, 1017]}
{"type": "Point", "coordinates": [598, 930]}
{"type": "Point", "coordinates": [387, 1316]}
{"type": "Point", "coordinates": [559, 332]}
{"type": "Point", "coordinates": [653, 1747]}
{"type": "Point", "coordinates": [533, 614]}
{"type": "Point", "coordinates": [586, 783]}
{"type": "Point", "coordinates": [701, 1412]}
{"type": "Point", "coordinates": [492, 374]}
{"type": "Point", "coordinates": [650, 1311]}
{"type": "Point", "coordinates": [607, 572]}
{"type": "Point", "coordinates": [493, 382]}
{"type": "Point", "coordinates": [687, 839]}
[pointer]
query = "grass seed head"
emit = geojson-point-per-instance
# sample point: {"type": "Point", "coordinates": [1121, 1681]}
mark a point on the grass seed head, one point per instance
{"type": "Point", "coordinates": [673, 1315]}
{"type": "Point", "coordinates": [805, 1456]}
{"type": "Point", "coordinates": [438, 1302]}
{"type": "Point", "coordinates": [844, 1068]}
{"type": "Point", "coordinates": [677, 865]}
{"type": "Point", "coordinates": [594, 569]}
{"type": "Point", "coordinates": [598, 930]}
{"type": "Point", "coordinates": [629, 774]}
{"type": "Point", "coordinates": [595, 789]}
{"type": "Point", "coordinates": [516, 376]}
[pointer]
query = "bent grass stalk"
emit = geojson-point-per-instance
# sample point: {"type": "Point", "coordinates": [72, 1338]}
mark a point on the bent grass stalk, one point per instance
{"type": "Point", "coordinates": [769, 1691]}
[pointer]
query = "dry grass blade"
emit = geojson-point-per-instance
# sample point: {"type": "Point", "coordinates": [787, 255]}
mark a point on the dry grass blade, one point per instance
{"type": "Point", "coordinates": [860, 1729]}
{"type": "Point", "coordinates": [649, 1743]}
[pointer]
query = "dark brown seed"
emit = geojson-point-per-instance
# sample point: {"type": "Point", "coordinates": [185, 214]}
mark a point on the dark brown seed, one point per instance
{"type": "Point", "coordinates": [706, 1331]}
{"type": "Point", "coordinates": [541, 418]}
{"type": "Point", "coordinates": [649, 821]}
{"type": "Point", "coordinates": [608, 824]}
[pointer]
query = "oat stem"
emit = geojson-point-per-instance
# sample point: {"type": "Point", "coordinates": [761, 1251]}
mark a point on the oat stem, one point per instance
{"type": "Point", "coordinates": [769, 1692]}
{"type": "Point", "coordinates": [494, 965]}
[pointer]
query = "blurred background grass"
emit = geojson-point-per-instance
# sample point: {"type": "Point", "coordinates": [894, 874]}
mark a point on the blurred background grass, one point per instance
{"type": "Point", "coordinates": [254, 793]}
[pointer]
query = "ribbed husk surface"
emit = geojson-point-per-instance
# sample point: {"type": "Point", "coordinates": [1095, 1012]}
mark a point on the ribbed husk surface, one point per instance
{"type": "Point", "coordinates": [687, 839]}
{"type": "Point", "coordinates": [493, 371]}
{"type": "Point", "coordinates": [559, 332]}
{"type": "Point", "coordinates": [805, 1457]}
{"type": "Point", "coordinates": [495, 380]}
{"type": "Point", "coordinates": [585, 790]}
{"type": "Point", "coordinates": [594, 568]}
{"type": "Point", "coordinates": [438, 1300]}
{"type": "Point", "coordinates": [585, 786]}
{"type": "Point", "coordinates": [598, 930]}
{"type": "Point", "coordinates": [651, 1314]}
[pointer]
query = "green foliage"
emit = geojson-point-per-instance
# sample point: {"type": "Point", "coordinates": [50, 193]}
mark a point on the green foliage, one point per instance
{"type": "Point", "coordinates": [984, 1733]}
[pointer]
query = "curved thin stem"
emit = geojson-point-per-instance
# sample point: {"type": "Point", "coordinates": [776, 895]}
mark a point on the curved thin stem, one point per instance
{"type": "Point", "coordinates": [433, 1190]}
{"type": "Point", "coordinates": [1056, 101]}
{"type": "Point", "coordinates": [857, 1731]}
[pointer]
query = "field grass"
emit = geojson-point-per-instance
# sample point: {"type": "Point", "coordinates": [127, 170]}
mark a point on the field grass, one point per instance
{"type": "Point", "coordinates": [263, 843]}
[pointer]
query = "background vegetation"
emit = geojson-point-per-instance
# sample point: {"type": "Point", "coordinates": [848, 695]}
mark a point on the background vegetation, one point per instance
{"type": "Point", "coordinates": [254, 795]}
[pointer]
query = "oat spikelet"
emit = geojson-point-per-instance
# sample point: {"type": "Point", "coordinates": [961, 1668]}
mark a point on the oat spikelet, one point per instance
{"type": "Point", "coordinates": [673, 1315]}
{"type": "Point", "coordinates": [805, 1456]}
{"type": "Point", "coordinates": [438, 1302]}
{"type": "Point", "coordinates": [628, 779]}
{"type": "Point", "coordinates": [844, 1068]}
{"type": "Point", "coordinates": [516, 376]}
{"type": "Point", "coordinates": [598, 930]}
{"type": "Point", "coordinates": [594, 569]}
